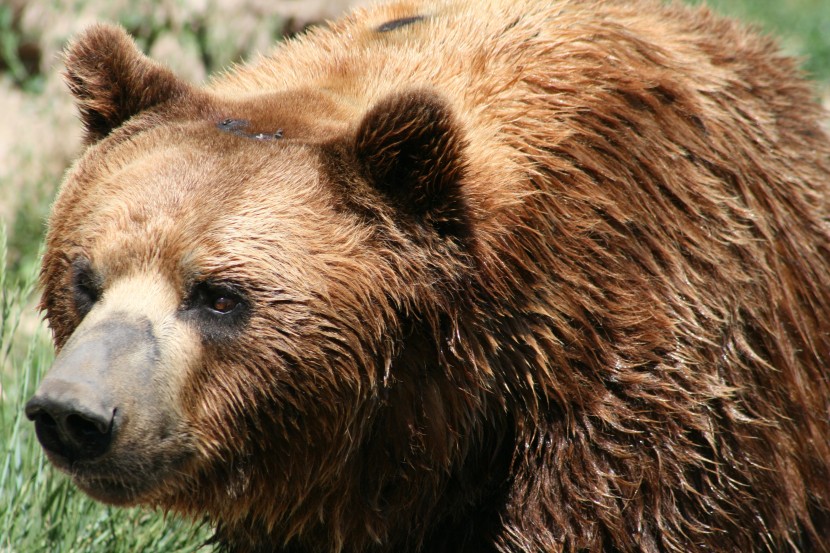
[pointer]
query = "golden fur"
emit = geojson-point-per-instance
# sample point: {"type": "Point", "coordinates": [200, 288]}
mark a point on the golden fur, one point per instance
{"type": "Point", "coordinates": [523, 276]}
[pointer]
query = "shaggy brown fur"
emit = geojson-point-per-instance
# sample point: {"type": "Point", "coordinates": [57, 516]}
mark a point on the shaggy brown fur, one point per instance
{"type": "Point", "coordinates": [513, 276]}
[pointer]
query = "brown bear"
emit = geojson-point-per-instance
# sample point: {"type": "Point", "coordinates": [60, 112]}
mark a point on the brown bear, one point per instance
{"type": "Point", "coordinates": [452, 275]}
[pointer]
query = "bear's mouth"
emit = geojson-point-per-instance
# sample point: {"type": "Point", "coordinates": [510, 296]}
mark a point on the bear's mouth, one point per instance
{"type": "Point", "coordinates": [120, 490]}
{"type": "Point", "coordinates": [123, 480]}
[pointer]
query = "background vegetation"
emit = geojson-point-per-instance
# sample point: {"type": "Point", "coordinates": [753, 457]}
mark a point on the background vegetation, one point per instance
{"type": "Point", "coordinates": [39, 135]}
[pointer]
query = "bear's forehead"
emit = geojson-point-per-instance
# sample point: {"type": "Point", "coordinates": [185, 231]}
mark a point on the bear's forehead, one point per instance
{"type": "Point", "coordinates": [158, 193]}
{"type": "Point", "coordinates": [312, 116]}
{"type": "Point", "coordinates": [224, 143]}
{"type": "Point", "coordinates": [197, 165]}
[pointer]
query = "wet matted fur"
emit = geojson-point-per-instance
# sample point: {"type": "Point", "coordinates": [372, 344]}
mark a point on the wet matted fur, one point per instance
{"type": "Point", "coordinates": [504, 275]}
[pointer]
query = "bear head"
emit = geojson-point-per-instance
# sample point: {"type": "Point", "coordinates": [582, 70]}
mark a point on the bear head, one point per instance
{"type": "Point", "coordinates": [239, 287]}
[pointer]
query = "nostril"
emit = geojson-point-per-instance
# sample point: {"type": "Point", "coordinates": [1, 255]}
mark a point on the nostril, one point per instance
{"type": "Point", "coordinates": [45, 420]}
{"type": "Point", "coordinates": [91, 437]}
{"type": "Point", "coordinates": [88, 434]}
{"type": "Point", "coordinates": [83, 428]}
{"type": "Point", "coordinates": [46, 429]}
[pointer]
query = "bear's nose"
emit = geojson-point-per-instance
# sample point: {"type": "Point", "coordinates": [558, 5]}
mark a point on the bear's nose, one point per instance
{"type": "Point", "coordinates": [71, 421]}
{"type": "Point", "coordinates": [80, 405]}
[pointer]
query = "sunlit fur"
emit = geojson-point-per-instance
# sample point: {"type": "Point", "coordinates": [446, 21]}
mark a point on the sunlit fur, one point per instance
{"type": "Point", "coordinates": [596, 321]}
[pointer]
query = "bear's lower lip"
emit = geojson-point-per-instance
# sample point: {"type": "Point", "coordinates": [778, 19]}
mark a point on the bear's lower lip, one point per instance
{"type": "Point", "coordinates": [111, 482]}
{"type": "Point", "coordinates": [115, 491]}
{"type": "Point", "coordinates": [120, 487]}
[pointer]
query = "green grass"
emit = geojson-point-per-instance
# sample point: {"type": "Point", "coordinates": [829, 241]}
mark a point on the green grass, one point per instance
{"type": "Point", "coordinates": [40, 510]}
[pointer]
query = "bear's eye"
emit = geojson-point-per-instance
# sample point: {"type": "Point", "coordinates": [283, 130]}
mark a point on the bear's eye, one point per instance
{"type": "Point", "coordinates": [86, 288]}
{"type": "Point", "coordinates": [216, 298]}
{"type": "Point", "coordinates": [218, 309]}
{"type": "Point", "coordinates": [224, 304]}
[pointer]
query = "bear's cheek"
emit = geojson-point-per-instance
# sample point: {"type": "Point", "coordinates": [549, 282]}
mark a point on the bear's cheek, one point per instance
{"type": "Point", "coordinates": [108, 412]}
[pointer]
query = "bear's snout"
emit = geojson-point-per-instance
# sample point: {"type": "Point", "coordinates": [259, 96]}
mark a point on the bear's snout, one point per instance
{"type": "Point", "coordinates": [77, 410]}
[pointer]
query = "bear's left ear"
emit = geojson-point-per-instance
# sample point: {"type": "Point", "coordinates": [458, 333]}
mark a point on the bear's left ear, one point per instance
{"type": "Point", "coordinates": [410, 148]}
{"type": "Point", "coordinates": [113, 81]}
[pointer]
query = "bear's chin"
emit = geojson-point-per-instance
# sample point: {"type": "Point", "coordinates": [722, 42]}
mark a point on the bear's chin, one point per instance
{"type": "Point", "coordinates": [121, 484]}
{"type": "Point", "coordinates": [118, 492]}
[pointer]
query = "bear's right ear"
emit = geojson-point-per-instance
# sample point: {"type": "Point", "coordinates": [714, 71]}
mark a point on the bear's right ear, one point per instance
{"type": "Point", "coordinates": [411, 149]}
{"type": "Point", "coordinates": [113, 81]}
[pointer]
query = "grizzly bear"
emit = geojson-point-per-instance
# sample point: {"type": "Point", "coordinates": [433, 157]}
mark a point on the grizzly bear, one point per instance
{"type": "Point", "coordinates": [452, 275]}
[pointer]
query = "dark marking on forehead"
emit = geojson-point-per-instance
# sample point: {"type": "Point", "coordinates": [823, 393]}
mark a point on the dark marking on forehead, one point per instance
{"type": "Point", "coordinates": [239, 127]}
{"type": "Point", "coordinates": [398, 23]}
